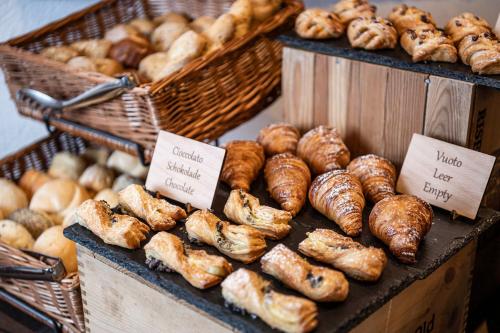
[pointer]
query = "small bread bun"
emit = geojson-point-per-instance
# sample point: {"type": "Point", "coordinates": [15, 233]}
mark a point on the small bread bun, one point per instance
{"type": "Point", "coordinates": [108, 195]}
{"type": "Point", "coordinates": [144, 26]}
{"type": "Point", "coordinates": [97, 177]}
{"type": "Point", "coordinates": [152, 64]}
{"type": "Point", "coordinates": [12, 197]}
{"type": "Point", "coordinates": [125, 163]}
{"type": "Point", "coordinates": [15, 235]}
{"type": "Point", "coordinates": [172, 17]}
{"type": "Point", "coordinates": [164, 36]}
{"type": "Point", "coordinates": [96, 155]}
{"type": "Point", "coordinates": [120, 32]}
{"type": "Point", "coordinates": [32, 180]}
{"type": "Point", "coordinates": [107, 66]}
{"type": "Point", "coordinates": [53, 243]}
{"type": "Point", "coordinates": [67, 166]}
{"type": "Point", "coordinates": [202, 23]}
{"type": "Point", "coordinates": [92, 48]}
{"type": "Point", "coordinates": [123, 181]}
{"type": "Point", "coordinates": [35, 222]}
{"type": "Point", "coordinates": [82, 63]}
{"type": "Point", "coordinates": [59, 53]}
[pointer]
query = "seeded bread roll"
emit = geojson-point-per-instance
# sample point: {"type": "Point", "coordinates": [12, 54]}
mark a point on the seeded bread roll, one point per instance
{"type": "Point", "coordinates": [35, 222]}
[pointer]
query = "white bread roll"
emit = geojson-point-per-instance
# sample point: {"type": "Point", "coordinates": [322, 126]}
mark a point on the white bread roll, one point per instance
{"type": "Point", "coordinates": [125, 163]}
{"type": "Point", "coordinates": [97, 177]}
{"type": "Point", "coordinates": [15, 235]}
{"type": "Point", "coordinates": [53, 243]}
{"type": "Point", "coordinates": [108, 195]}
{"type": "Point", "coordinates": [12, 197]}
{"type": "Point", "coordinates": [66, 165]}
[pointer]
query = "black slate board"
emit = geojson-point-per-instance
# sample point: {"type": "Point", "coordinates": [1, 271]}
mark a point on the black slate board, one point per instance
{"type": "Point", "coordinates": [397, 58]}
{"type": "Point", "coordinates": [444, 240]}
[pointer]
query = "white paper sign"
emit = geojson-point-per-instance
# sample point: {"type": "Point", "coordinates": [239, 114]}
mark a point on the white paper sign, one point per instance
{"type": "Point", "coordinates": [185, 170]}
{"type": "Point", "coordinates": [445, 175]}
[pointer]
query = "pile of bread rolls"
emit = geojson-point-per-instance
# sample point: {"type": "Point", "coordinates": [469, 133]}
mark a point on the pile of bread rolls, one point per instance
{"type": "Point", "coordinates": [34, 212]}
{"type": "Point", "coordinates": [163, 45]}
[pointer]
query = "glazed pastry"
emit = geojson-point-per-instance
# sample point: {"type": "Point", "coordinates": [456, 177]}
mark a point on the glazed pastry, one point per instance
{"type": "Point", "coordinates": [264, 9]}
{"type": "Point", "coordinates": [130, 51]}
{"type": "Point", "coordinates": [288, 179]}
{"type": "Point", "coordinates": [404, 17]}
{"type": "Point", "coordinates": [357, 261]}
{"type": "Point", "coordinates": [428, 44]}
{"type": "Point", "coordinates": [115, 229]}
{"type": "Point", "coordinates": [201, 24]}
{"type": "Point", "coordinates": [164, 36]}
{"type": "Point", "coordinates": [106, 66]}
{"type": "Point", "coordinates": [244, 159]}
{"type": "Point", "coordinates": [125, 163]}
{"type": "Point", "coordinates": [172, 17]}
{"type": "Point", "coordinates": [323, 150]}
{"type": "Point", "coordinates": [125, 180]}
{"type": "Point", "coordinates": [12, 197]}
{"type": "Point", "coordinates": [53, 243]}
{"type": "Point", "coordinates": [220, 32]}
{"type": "Point", "coordinates": [35, 222]}
{"type": "Point", "coordinates": [464, 25]}
{"type": "Point", "coordinates": [97, 177]}
{"type": "Point", "coordinates": [166, 252]}
{"type": "Point", "coordinates": [248, 291]}
{"type": "Point", "coordinates": [339, 196]}
{"type": "Point", "coordinates": [15, 235]}
{"type": "Point", "coordinates": [348, 10]}
{"type": "Point", "coordinates": [401, 222]}
{"type": "Point", "coordinates": [318, 283]}
{"type": "Point", "coordinates": [143, 25]}
{"type": "Point", "coordinates": [376, 174]}
{"type": "Point", "coordinates": [240, 242]}
{"type": "Point", "coordinates": [67, 166]}
{"type": "Point", "coordinates": [120, 32]}
{"type": "Point", "coordinates": [152, 64]}
{"type": "Point", "coordinates": [242, 13]}
{"type": "Point", "coordinates": [481, 52]}
{"type": "Point", "coordinates": [158, 213]}
{"type": "Point", "coordinates": [59, 53]}
{"type": "Point", "coordinates": [32, 180]}
{"type": "Point", "coordinates": [372, 33]}
{"type": "Point", "coordinates": [279, 138]}
{"type": "Point", "coordinates": [244, 208]}
{"type": "Point", "coordinates": [82, 63]}
{"type": "Point", "coordinates": [317, 23]}
{"type": "Point", "coordinates": [108, 195]}
{"type": "Point", "coordinates": [92, 48]}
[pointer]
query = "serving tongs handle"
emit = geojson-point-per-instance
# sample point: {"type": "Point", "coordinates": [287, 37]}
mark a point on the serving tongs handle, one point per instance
{"type": "Point", "coordinates": [55, 272]}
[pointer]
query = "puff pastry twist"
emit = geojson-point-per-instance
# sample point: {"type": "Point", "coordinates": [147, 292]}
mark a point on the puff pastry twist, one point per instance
{"type": "Point", "coordinates": [406, 17]}
{"type": "Point", "coordinates": [464, 25]}
{"type": "Point", "coordinates": [316, 23]}
{"type": "Point", "coordinates": [244, 159]}
{"type": "Point", "coordinates": [372, 33]}
{"type": "Point", "coordinates": [349, 10]}
{"type": "Point", "coordinates": [481, 52]}
{"type": "Point", "coordinates": [428, 44]}
{"type": "Point", "coordinates": [279, 138]}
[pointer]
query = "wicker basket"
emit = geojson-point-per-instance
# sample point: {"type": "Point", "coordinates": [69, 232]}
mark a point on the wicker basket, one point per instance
{"type": "Point", "coordinates": [60, 300]}
{"type": "Point", "coordinates": [208, 97]}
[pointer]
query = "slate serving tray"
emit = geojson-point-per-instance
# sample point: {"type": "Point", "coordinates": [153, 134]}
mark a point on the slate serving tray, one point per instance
{"type": "Point", "coordinates": [444, 240]}
{"type": "Point", "coordinates": [397, 58]}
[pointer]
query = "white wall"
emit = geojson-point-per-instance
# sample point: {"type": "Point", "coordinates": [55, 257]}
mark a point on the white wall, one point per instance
{"type": "Point", "coordinates": [20, 16]}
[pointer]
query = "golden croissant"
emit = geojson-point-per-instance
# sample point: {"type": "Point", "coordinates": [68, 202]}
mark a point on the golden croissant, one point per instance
{"type": "Point", "coordinates": [288, 179]}
{"type": "Point", "coordinates": [279, 138]}
{"type": "Point", "coordinates": [376, 174]}
{"type": "Point", "coordinates": [323, 150]}
{"type": "Point", "coordinates": [401, 222]}
{"type": "Point", "coordinates": [349, 10]}
{"type": "Point", "coordinates": [244, 159]}
{"type": "Point", "coordinates": [339, 196]}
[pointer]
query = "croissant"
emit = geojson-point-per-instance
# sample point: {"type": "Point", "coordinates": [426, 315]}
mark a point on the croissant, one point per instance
{"type": "Point", "coordinates": [404, 17]}
{"type": "Point", "coordinates": [401, 222]}
{"type": "Point", "coordinates": [357, 261]}
{"type": "Point", "coordinates": [464, 25]}
{"type": "Point", "coordinates": [115, 229]}
{"type": "Point", "coordinates": [288, 179]}
{"type": "Point", "coordinates": [338, 195]}
{"type": "Point", "coordinates": [428, 44]}
{"type": "Point", "coordinates": [481, 52]}
{"type": "Point", "coordinates": [323, 150]}
{"type": "Point", "coordinates": [244, 159]}
{"type": "Point", "coordinates": [318, 283]}
{"type": "Point", "coordinates": [166, 252]}
{"type": "Point", "coordinates": [245, 290]}
{"type": "Point", "coordinates": [316, 23]}
{"type": "Point", "coordinates": [243, 208]}
{"type": "Point", "coordinates": [239, 242]}
{"type": "Point", "coordinates": [158, 213]}
{"type": "Point", "coordinates": [279, 138]}
{"type": "Point", "coordinates": [372, 33]}
{"type": "Point", "coordinates": [349, 10]}
{"type": "Point", "coordinates": [376, 174]}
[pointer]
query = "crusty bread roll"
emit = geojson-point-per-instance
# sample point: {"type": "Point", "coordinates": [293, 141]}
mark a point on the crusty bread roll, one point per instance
{"type": "Point", "coordinates": [15, 235]}
{"type": "Point", "coordinates": [164, 36]}
{"type": "Point", "coordinates": [96, 155]}
{"type": "Point", "coordinates": [120, 32]}
{"type": "Point", "coordinates": [59, 53]}
{"type": "Point", "coordinates": [220, 32]}
{"type": "Point", "coordinates": [242, 13]}
{"type": "Point", "coordinates": [31, 181]}
{"type": "Point", "coordinates": [59, 197]}
{"type": "Point", "coordinates": [144, 26]}
{"type": "Point", "coordinates": [53, 243]}
{"type": "Point", "coordinates": [35, 222]}
{"type": "Point", "coordinates": [123, 181]}
{"type": "Point", "coordinates": [171, 17]}
{"type": "Point", "coordinates": [97, 177]}
{"type": "Point", "coordinates": [108, 195]}
{"type": "Point", "coordinates": [92, 48]}
{"type": "Point", "coordinates": [108, 66]}
{"type": "Point", "coordinates": [264, 9]}
{"type": "Point", "coordinates": [12, 197]}
{"type": "Point", "coordinates": [125, 163]}
{"type": "Point", "coordinates": [82, 63]}
{"type": "Point", "coordinates": [67, 166]}
{"type": "Point", "coordinates": [152, 64]}
{"type": "Point", "coordinates": [202, 23]}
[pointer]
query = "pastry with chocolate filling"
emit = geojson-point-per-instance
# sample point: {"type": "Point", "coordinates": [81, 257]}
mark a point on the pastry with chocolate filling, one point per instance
{"type": "Point", "coordinates": [240, 242]}
{"type": "Point", "coordinates": [481, 52]}
{"type": "Point", "coordinates": [279, 138]}
{"type": "Point", "coordinates": [406, 17]}
{"type": "Point", "coordinates": [464, 25]}
{"type": "Point", "coordinates": [166, 252]}
{"type": "Point", "coordinates": [248, 291]}
{"type": "Point", "coordinates": [244, 159]}
{"type": "Point", "coordinates": [317, 23]}
{"type": "Point", "coordinates": [372, 33]}
{"type": "Point", "coordinates": [428, 44]}
{"type": "Point", "coordinates": [349, 10]}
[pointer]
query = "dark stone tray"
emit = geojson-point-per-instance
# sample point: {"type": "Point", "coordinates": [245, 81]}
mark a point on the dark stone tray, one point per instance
{"type": "Point", "coordinates": [397, 58]}
{"type": "Point", "coordinates": [444, 240]}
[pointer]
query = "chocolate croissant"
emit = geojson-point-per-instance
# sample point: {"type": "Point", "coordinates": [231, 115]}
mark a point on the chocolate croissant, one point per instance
{"type": "Point", "coordinates": [339, 196]}
{"type": "Point", "coordinates": [428, 44]}
{"type": "Point", "coordinates": [464, 25]}
{"type": "Point", "coordinates": [323, 150]}
{"type": "Point", "coordinates": [404, 17]}
{"type": "Point", "coordinates": [349, 10]}
{"type": "Point", "coordinates": [481, 52]}
{"type": "Point", "coordinates": [357, 261]}
{"type": "Point", "coordinates": [244, 208]}
{"type": "Point", "coordinates": [248, 291]}
{"type": "Point", "coordinates": [288, 179]}
{"type": "Point", "coordinates": [376, 174]}
{"type": "Point", "coordinates": [401, 222]}
{"type": "Point", "coordinates": [239, 242]}
{"type": "Point", "coordinates": [244, 159]}
{"type": "Point", "coordinates": [158, 213]}
{"type": "Point", "coordinates": [279, 138]}
{"type": "Point", "coordinates": [166, 252]}
{"type": "Point", "coordinates": [316, 23]}
{"type": "Point", "coordinates": [372, 33]}
{"type": "Point", "coordinates": [318, 283]}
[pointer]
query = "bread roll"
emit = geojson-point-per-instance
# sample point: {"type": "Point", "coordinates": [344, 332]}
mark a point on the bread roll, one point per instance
{"type": "Point", "coordinates": [220, 32]}
{"type": "Point", "coordinates": [96, 155]}
{"type": "Point", "coordinates": [108, 195]}
{"type": "Point", "coordinates": [202, 24]}
{"type": "Point", "coordinates": [143, 25]}
{"type": "Point", "coordinates": [15, 235]}
{"type": "Point", "coordinates": [130, 51]}
{"type": "Point", "coordinates": [35, 222]}
{"type": "Point", "coordinates": [152, 64]}
{"type": "Point", "coordinates": [92, 48]}
{"type": "Point", "coordinates": [53, 243]}
{"type": "Point", "coordinates": [31, 181]}
{"type": "Point", "coordinates": [172, 17]}
{"type": "Point", "coordinates": [67, 166]}
{"type": "Point", "coordinates": [120, 32]}
{"type": "Point", "coordinates": [165, 35]}
{"type": "Point", "coordinates": [264, 9]}
{"type": "Point", "coordinates": [82, 63]}
{"type": "Point", "coordinates": [125, 163]}
{"type": "Point", "coordinates": [188, 46]}
{"type": "Point", "coordinates": [97, 177]}
{"type": "Point", "coordinates": [59, 53]}
{"type": "Point", "coordinates": [125, 180]}
{"type": "Point", "coordinates": [12, 197]}
{"type": "Point", "coordinates": [242, 13]}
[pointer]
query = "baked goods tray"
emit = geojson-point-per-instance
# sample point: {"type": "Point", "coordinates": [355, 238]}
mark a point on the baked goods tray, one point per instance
{"type": "Point", "coordinates": [445, 239]}
{"type": "Point", "coordinates": [397, 58]}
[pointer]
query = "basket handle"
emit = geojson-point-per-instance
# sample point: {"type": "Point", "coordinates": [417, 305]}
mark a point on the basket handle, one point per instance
{"type": "Point", "coordinates": [54, 273]}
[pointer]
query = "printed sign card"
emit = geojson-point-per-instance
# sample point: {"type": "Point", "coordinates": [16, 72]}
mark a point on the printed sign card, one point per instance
{"type": "Point", "coordinates": [185, 170]}
{"type": "Point", "coordinates": [445, 175]}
